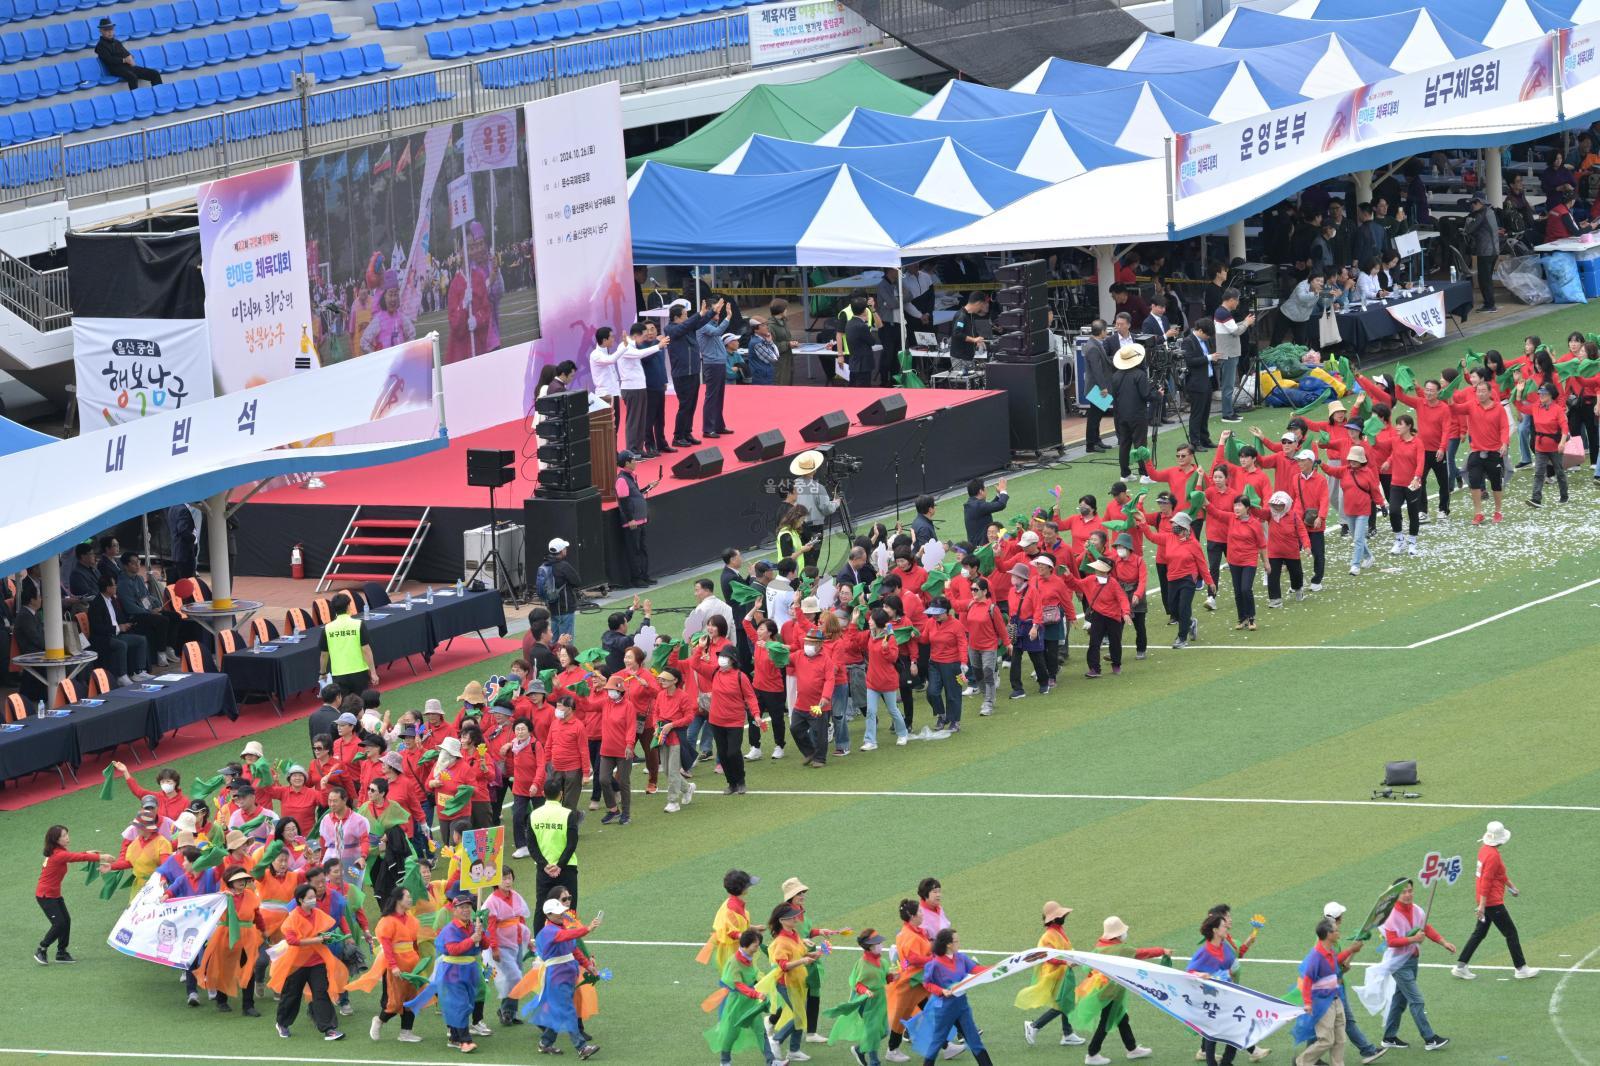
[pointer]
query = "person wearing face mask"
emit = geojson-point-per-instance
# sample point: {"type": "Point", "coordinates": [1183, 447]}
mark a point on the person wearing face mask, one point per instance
{"type": "Point", "coordinates": [1186, 572]}
{"type": "Point", "coordinates": [947, 639]}
{"type": "Point", "coordinates": [145, 852]}
{"type": "Point", "coordinates": [457, 973]}
{"type": "Point", "coordinates": [1129, 572]}
{"type": "Point", "coordinates": [883, 674]}
{"type": "Point", "coordinates": [732, 702]}
{"type": "Point", "coordinates": [508, 937]}
{"type": "Point", "coordinates": [1025, 636]}
{"type": "Point", "coordinates": [228, 966]}
{"type": "Point", "coordinates": [307, 964]}
{"type": "Point", "coordinates": [813, 674]}
{"type": "Point", "coordinates": [1109, 611]}
{"type": "Point", "coordinates": [169, 797]}
{"type": "Point", "coordinates": [568, 748]}
{"type": "Point", "coordinates": [675, 709]}
{"type": "Point", "coordinates": [617, 735]}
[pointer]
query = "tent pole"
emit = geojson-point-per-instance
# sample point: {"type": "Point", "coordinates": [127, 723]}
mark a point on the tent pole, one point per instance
{"type": "Point", "coordinates": [900, 290]}
{"type": "Point", "coordinates": [55, 646]}
{"type": "Point", "coordinates": [1105, 268]}
{"type": "Point", "coordinates": [1363, 180]}
{"type": "Point", "coordinates": [217, 530]}
{"type": "Point", "coordinates": [1555, 65]}
{"type": "Point", "coordinates": [1171, 194]}
{"type": "Point", "coordinates": [1492, 177]}
{"type": "Point", "coordinates": [1236, 240]}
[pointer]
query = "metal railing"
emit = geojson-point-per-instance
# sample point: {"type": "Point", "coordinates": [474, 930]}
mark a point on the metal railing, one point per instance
{"type": "Point", "coordinates": [39, 298]}
{"type": "Point", "coordinates": [320, 120]}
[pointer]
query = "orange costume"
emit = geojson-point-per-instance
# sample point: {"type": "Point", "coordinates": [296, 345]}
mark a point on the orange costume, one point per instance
{"type": "Point", "coordinates": [297, 927]}
{"type": "Point", "coordinates": [914, 949]}
{"type": "Point", "coordinates": [277, 900]}
{"type": "Point", "coordinates": [397, 944]}
{"type": "Point", "coordinates": [223, 966]}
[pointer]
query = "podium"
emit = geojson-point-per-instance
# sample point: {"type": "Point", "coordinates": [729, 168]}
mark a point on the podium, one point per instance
{"type": "Point", "coordinates": [603, 451]}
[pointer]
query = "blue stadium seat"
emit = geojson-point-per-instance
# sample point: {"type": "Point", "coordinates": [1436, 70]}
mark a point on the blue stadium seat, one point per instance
{"type": "Point", "coordinates": [206, 12]}
{"type": "Point", "coordinates": [188, 94]}
{"type": "Point", "coordinates": [301, 33]}
{"type": "Point", "coordinates": [588, 19]}
{"type": "Point", "coordinates": [355, 64]}
{"type": "Point", "coordinates": [12, 47]}
{"type": "Point", "coordinates": [172, 56]}
{"type": "Point", "coordinates": [105, 113]}
{"type": "Point", "coordinates": [523, 31]}
{"type": "Point", "coordinates": [322, 26]}
{"type": "Point", "coordinates": [144, 23]}
{"type": "Point", "coordinates": [205, 88]}
{"type": "Point", "coordinates": [566, 23]}
{"type": "Point", "coordinates": [632, 12]}
{"type": "Point", "coordinates": [194, 53]}
{"type": "Point", "coordinates": [90, 72]}
{"type": "Point", "coordinates": [7, 11]}
{"type": "Point", "coordinates": [27, 85]}
{"type": "Point", "coordinates": [227, 86]}
{"type": "Point", "coordinates": [22, 10]}
{"type": "Point", "coordinates": [438, 42]}
{"type": "Point", "coordinates": [238, 43]}
{"type": "Point", "coordinates": [611, 16]}
{"type": "Point", "coordinates": [546, 23]}
{"type": "Point", "coordinates": [427, 11]}
{"type": "Point", "coordinates": [472, 8]}
{"type": "Point", "coordinates": [5, 132]}
{"type": "Point", "coordinates": [227, 10]}
{"type": "Point", "coordinates": [374, 60]}
{"type": "Point", "coordinates": [8, 89]}
{"type": "Point", "coordinates": [144, 101]}
{"type": "Point", "coordinates": [185, 15]}
{"type": "Point", "coordinates": [61, 117]}
{"type": "Point", "coordinates": [165, 98]}
{"type": "Point", "coordinates": [33, 43]}
{"type": "Point", "coordinates": [274, 79]}
{"type": "Point", "coordinates": [216, 48]}
{"type": "Point", "coordinates": [22, 128]}
{"type": "Point", "coordinates": [44, 125]}
{"type": "Point", "coordinates": [165, 23]}
{"type": "Point", "coordinates": [450, 10]}
{"type": "Point", "coordinates": [460, 41]}
{"type": "Point", "coordinates": [67, 72]}
{"type": "Point", "coordinates": [283, 36]}
{"type": "Point", "coordinates": [653, 10]}
{"type": "Point", "coordinates": [79, 36]}
{"type": "Point", "coordinates": [387, 16]}
{"type": "Point", "coordinates": [49, 81]}
{"type": "Point", "coordinates": [122, 104]}
{"type": "Point", "coordinates": [482, 39]}
{"type": "Point", "coordinates": [260, 39]}
{"type": "Point", "coordinates": [249, 9]}
{"type": "Point", "coordinates": [504, 35]}
{"type": "Point", "coordinates": [55, 39]}
{"type": "Point", "coordinates": [249, 82]}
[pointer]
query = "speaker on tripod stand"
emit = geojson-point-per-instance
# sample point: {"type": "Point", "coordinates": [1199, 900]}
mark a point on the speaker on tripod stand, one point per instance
{"type": "Point", "coordinates": [492, 469]}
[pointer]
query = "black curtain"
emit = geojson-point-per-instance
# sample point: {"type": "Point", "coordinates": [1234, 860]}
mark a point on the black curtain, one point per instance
{"type": "Point", "coordinates": [136, 275]}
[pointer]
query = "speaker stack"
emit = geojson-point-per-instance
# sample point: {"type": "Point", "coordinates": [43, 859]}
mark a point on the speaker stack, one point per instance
{"type": "Point", "coordinates": [489, 468]}
{"type": "Point", "coordinates": [1020, 362]}
{"type": "Point", "coordinates": [1022, 331]}
{"type": "Point", "coordinates": [563, 431]}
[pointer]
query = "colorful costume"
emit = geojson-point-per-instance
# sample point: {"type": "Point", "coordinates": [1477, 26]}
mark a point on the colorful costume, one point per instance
{"type": "Point", "coordinates": [906, 994]}
{"type": "Point", "coordinates": [788, 978]}
{"type": "Point", "coordinates": [456, 978]}
{"type": "Point", "coordinates": [864, 1018]}
{"type": "Point", "coordinates": [397, 956]}
{"type": "Point", "coordinates": [742, 1008]}
{"type": "Point", "coordinates": [555, 1009]}
{"type": "Point", "coordinates": [1098, 995]}
{"type": "Point", "coordinates": [731, 921]}
{"type": "Point", "coordinates": [1054, 985]}
{"type": "Point", "coordinates": [508, 937]}
{"type": "Point", "coordinates": [945, 1011]}
{"type": "Point", "coordinates": [230, 954]}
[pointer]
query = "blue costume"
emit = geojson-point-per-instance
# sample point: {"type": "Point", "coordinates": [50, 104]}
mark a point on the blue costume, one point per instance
{"type": "Point", "coordinates": [457, 976]}
{"type": "Point", "coordinates": [1217, 964]}
{"type": "Point", "coordinates": [556, 1011]}
{"type": "Point", "coordinates": [942, 1015]}
{"type": "Point", "coordinates": [1319, 976]}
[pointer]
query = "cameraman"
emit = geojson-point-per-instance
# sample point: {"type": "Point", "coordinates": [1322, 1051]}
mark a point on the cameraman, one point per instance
{"type": "Point", "coordinates": [806, 491]}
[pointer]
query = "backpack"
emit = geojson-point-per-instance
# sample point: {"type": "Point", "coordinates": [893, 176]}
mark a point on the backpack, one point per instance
{"type": "Point", "coordinates": [544, 583]}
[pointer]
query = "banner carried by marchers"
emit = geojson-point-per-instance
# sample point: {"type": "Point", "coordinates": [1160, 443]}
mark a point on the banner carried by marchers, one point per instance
{"type": "Point", "coordinates": [169, 932]}
{"type": "Point", "coordinates": [1217, 1010]}
{"type": "Point", "coordinates": [483, 856]}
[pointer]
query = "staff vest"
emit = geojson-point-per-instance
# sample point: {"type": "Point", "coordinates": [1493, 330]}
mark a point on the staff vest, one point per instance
{"type": "Point", "coordinates": [344, 646]}
{"type": "Point", "coordinates": [549, 826]}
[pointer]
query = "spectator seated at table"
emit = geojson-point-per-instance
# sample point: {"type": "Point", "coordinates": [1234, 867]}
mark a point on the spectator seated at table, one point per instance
{"type": "Point", "coordinates": [140, 604]}
{"type": "Point", "coordinates": [1369, 284]}
{"type": "Point", "coordinates": [83, 580]}
{"type": "Point", "coordinates": [123, 653]}
{"type": "Point", "coordinates": [29, 629]}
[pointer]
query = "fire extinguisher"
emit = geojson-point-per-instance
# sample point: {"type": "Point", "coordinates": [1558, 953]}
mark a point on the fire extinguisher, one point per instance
{"type": "Point", "coordinates": [297, 563]}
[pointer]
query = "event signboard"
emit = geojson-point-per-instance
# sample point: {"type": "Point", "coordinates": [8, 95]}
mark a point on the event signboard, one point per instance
{"type": "Point", "coordinates": [578, 190]}
{"type": "Point", "coordinates": [258, 299]}
{"type": "Point", "coordinates": [782, 33]}
{"type": "Point", "coordinates": [127, 368]}
{"type": "Point", "coordinates": [483, 860]}
{"type": "Point", "coordinates": [1422, 315]}
{"type": "Point", "coordinates": [170, 932]}
{"type": "Point", "coordinates": [1579, 59]}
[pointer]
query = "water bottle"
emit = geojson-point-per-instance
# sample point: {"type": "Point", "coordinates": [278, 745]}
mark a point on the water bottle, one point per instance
{"type": "Point", "coordinates": [40, 712]}
{"type": "Point", "coordinates": [460, 586]}
{"type": "Point", "coordinates": [430, 595]}
{"type": "Point", "coordinates": [408, 601]}
{"type": "Point", "coordinates": [1452, 274]}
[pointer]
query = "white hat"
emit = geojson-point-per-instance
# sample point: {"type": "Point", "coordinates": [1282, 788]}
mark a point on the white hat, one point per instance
{"type": "Point", "coordinates": [1496, 834]}
{"type": "Point", "coordinates": [1333, 910]}
{"type": "Point", "coordinates": [1129, 357]}
{"type": "Point", "coordinates": [553, 908]}
{"type": "Point", "coordinates": [806, 463]}
{"type": "Point", "coordinates": [1114, 929]}
{"type": "Point", "coordinates": [433, 707]}
{"type": "Point", "coordinates": [1029, 539]}
{"type": "Point", "coordinates": [451, 746]}
{"type": "Point", "coordinates": [1289, 436]}
{"type": "Point", "coordinates": [184, 823]}
{"type": "Point", "coordinates": [809, 605]}
{"type": "Point", "coordinates": [1047, 560]}
{"type": "Point", "coordinates": [1099, 565]}
{"type": "Point", "coordinates": [1358, 454]}
{"type": "Point", "coordinates": [1306, 453]}
{"type": "Point", "coordinates": [1279, 499]}
{"type": "Point", "coordinates": [558, 545]}
{"type": "Point", "coordinates": [253, 748]}
{"type": "Point", "coordinates": [1182, 520]}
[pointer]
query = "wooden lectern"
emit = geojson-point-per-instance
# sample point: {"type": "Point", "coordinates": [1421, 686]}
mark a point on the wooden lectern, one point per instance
{"type": "Point", "coordinates": [603, 451]}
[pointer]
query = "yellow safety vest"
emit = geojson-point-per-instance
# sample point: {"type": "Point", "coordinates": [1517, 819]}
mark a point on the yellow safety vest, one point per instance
{"type": "Point", "coordinates": [549, 826]}
{"type": "Point", "coordinates": [344, 646]}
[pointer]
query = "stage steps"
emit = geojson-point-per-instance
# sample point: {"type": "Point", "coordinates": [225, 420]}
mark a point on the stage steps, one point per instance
{"type": "Point", "coordinates": [350, 563]}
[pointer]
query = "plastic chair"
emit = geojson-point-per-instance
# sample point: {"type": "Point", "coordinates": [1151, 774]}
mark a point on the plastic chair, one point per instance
{"type": "Point", "coordinates": [482, 39]}
{"type": "Point", "coordinates": [216, 48]}
{"type": "Point", "coordinates": [78, 36]}
{"type": "Point", "coordinates": [273, 79]}
{"type": "Point", "coordinates": [206, 12]}
{"type": "Point", "coordinates": [238, 43]}
{"type": "Point", "coordinates": [428, 11]}
{"type": "Point", "coordinates": [249, 82]}
{"type": "Point", "coordinates": [545, 22]}
{"type": "Point", "coordinates": [322, 26]}
{"type": "Point", "coordinates": [227, 87]}
{"type": "Point", "coordinates": [99, 682]}
{"type": "Point", "coordinates": [27, 85]}
{"type": "Point", "coordinates": [66, 694]}
{"type": "Point", "coordinates": [504, 34]}
{"type": "Point", "coordinates": [173, 56]}
{"type": "Point", "coordinates": [55, 39]}
{"type": "Point", "coordinates": [450, 10]}
{"type": "Point", "coordinates": [282, 39]}
{"type": "Point", "coordinates": [15, 709]}
{"type": "Point", "coordinates": [205, 90]}
{"type": "Point", "coordinates": [194, 53]}
{"type": "Point", "coordinates": [105, 112]}
{"type": "Point", "coordinates": [8, 90]}
{"type": "Point", "coordinates": [82, 115]}
{"type": "Point", "coordinates": [387, 16]}
{"type": "Point", "coordinates": [144, 23]}
{"type": "Point", "coordinates": [566, 23]}
{"type": "Point", "coordinates": [164, 20]}
{"type": "Point", "coordinates": [300, 32]}
{"type": "Point", "coordinates": [12, 48]}
{"type": "Point", "coordinates": [460, 41]}
{"type": "Point", "coordinates": [122, 104]}
{"type": "Point", "coordinates": [186, 15]}
{"type": "Point", "coordinates": [611, 16]}
{"type": "Point", "coordinates": [523, 31]}
{"type": "Point", "coordinates": [262, 631]}
{"type": "Point", "coordinates": [32, 43]}
{"type": "Point", "coordinates": [49, 81]}
{"type": "Point", "coordinates": [260, 39]}
{"type": "Point", "coordinates": [188, 94]}
{"type": "Point", "coordinates": [227, 10]}
{"type": "Point", "coordinates": [589, 19]}
{"type": "Point", "coordinates": [374, 60]}
{"type": "Point", "coordinates": [438, 42]}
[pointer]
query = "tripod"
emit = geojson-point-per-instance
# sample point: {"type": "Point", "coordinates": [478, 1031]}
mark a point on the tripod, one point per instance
{"type": "Point", "coordinates": [502, 578]}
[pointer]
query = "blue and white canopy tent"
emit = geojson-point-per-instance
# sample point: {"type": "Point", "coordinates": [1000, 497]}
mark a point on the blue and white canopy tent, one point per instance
{"type": "Point", "coordinates": [1232, 89]}
{"type": "Point", "coordinates": [1408, 41]}
{"type": "Point", "coordinates": [1493, 22]}
{"type": "Point", "coordinates": [1134, 117]}
{"type": "Point", "coordinates": [1312, 67]}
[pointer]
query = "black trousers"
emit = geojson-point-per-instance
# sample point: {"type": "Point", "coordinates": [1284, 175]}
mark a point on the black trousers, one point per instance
{"type": "Point", "coordinates": [638, 554]}
{"type": "Point", "coordinates": [810, 734]}
{"type": "Point", "coordinates": [636, 410]}
{"type": "Point", "coordinates": [716, 379]}
{"type": "Point", "coordinates": [1102, 627]}
{"type": "Point", "coordinates": [1210, 1048]}
{"type": "Point", "coordinates": [688, 390]}
{"type": "Point", "coordinates": [1319, 553]}
{"type": "Point", "coordinates": [1486, 278]}
{"type": "Point", "coordinates": [889, 358]}
{"type": "Point", "coordinates": [1244, 590]}
{"type": "Point", "coordinates": [1275, 570]}
{"type": "Point", "coordinates": [1199, 415]}
{"type": "Point", "coordinates": [1413, 500]}
{"type": "Point", "coordinates": [55, 909]}
{"type": "Point", "coordinates": [294, 987]}
{"type": "Point", "coordinates": [1166, 589]}
{"type": "Point", "coordinates": [1216, 551]}
{"type": "Point", "coordinates": [1440, 469]}
{"type": "Point", "coordinates": [407, 1018]}
{"type": "Point", "coordinates": [1581, 423]}
{"type": "Point", "coordinates": [1091, 429]}
{"type": "Point", "coordinates": [133, 75]}
{"type": "Point", "coordinates": [1124, 1030]}
{"type": "Point", "coordinates": [1041, 669]}
{"type": "Point", "coordinates": [1500, 918]}
{"type": "Point", "coordinates": [1183, 590]}
{"type": "Point", "coordinates": [1129, 435]}
{"type": "Point", "coordinates": [772, 705]}
{"type": "Point", "coordinates": [729, 753]}
{"type": "Point", "coordinates": [655, 430]}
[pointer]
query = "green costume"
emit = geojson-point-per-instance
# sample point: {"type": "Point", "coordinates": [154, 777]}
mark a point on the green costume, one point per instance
{"type": "Point", "coordinates": [864, 1017]}
{"type": "Point", "coordinates": [738, 1025]}
{"type": "Point", "coordinates": [1097, 992]}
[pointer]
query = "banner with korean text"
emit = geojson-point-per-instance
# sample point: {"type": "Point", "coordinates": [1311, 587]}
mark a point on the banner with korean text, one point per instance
{"type": "Point", "coordinates": [780, 33]}
{"type": "Point", "coordinates": [1580, 59]}
{"type": "Point", "coordinates": [170, 932]}
{"type": "Point", "coordinates": [127, 368]}
{"type": "Point", "coordinates": [258, 297]}
{"type": "Point", "coordinates": [578, 189]}
{"type": "Point", "coordinates": [1423, 316]}
{"type": "Point", "coordinates": [1479, 87]}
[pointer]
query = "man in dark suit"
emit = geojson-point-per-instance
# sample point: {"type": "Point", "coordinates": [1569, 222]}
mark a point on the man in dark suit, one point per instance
{"type": "Point", "coordinates": [110, 552]}
{"type": "Point", "coordinates": [857, 570]}
{"type": "Point", "coordinates": [1097, 374]}
{"type": "Point", "coordinates": [83, 580]}
{"type": "Point", "coordinates": [1161, 324]}
{"type": "Point", "coordinates": [1199, 355]}
{"type": "Point", "coordinates": [30, 637]}
{"type": "Point", "coordinates": [185, 547]}
{"type": "Point", "coordinates": [323, 718]}
{"type": "Point", "coordinates": [975, 513]}
{"type": "Point", "coordinates": [138, 604]}
{"type": "Point", "coordinates": [123, 653]}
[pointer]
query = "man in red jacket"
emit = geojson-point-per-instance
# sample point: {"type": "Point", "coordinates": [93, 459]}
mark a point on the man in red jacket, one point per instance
{"type": "Point", "coordinates": [1493, 884]}
{"type": "Point", "coordinates": [1486, 437]}
{"type": "Point", "coordinates": [1108, 612]}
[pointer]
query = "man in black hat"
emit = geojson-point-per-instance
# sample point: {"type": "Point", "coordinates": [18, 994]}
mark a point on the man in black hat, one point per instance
{"type": "Point", "coordinates": [117, 60]}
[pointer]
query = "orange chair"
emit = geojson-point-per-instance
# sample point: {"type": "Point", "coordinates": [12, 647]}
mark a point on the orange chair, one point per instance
{"type": "Point", "coordinates": [262, 631]}
{"type": "Point", "coordinates": [193, 660]}
{"type": "Point", "coordinates": [296, 621]}
{"type": "Point", "coordinates": [66, 694]}
{"type": "Point", "coordinates": [230, 641]}
{"type": "Point", "coordinates": [321, 611]}
{"type": "Point", "coordinates": [99, 682]}
{"type": "Point", "coordinates": [358, 597]}
{"type": "Point", "coordinates": [15, 709]}
{"type": "Point", "coordinates": [82, 618]}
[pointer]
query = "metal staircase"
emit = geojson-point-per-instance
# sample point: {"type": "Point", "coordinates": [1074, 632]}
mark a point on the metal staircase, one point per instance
{"type": "Point", "coordinates": [376, 549]}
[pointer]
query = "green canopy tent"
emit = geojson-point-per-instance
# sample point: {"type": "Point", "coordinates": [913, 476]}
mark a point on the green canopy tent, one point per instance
{"type": "Point", "coordinates": [802, 111]}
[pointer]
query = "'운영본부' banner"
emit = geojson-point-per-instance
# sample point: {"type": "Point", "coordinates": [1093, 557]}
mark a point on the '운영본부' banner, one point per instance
{"type": "Point", "coordinates": [258, 303]}
{"type": "Point", "coordinates": [780, 33]}
{"type": "Point", "coordinates": [128, 368]}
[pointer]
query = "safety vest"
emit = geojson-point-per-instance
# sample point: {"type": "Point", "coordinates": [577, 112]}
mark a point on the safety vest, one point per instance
{"type": "Point", "coordinates": [344, 646]}
{"type": "Point", "coordinates": [549, 825]}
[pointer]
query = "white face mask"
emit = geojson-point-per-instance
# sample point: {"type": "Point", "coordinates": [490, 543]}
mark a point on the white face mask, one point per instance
{"type": "Point", "coordinates": [561, 712]}
{"type": "Point", "coordinates": [724, 662]}
{"type": "Point", "coordinates": [1102, 579]}
{"type": "Point", "coordinates": [614, 695]}
{"type": "Point", "coordinates": [1122, 553]}
{"type": "Point", "coordinates": [169, 787]}
{"type": "Point", "coordinates": [811, 651]}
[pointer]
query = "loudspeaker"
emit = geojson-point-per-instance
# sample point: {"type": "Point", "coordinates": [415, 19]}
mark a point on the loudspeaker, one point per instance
{"type": "Point", "coordinates": [701, 462]}
{"type": "Point", "coordinates": [761, 447]}
{"type": "Point", "coordinates": [824, 428]}
{"type": "Point", "coordinates": [578, 521]}
{"type": "Point", "coordinates": [565, 477]}
{"type": "Point", "coordinates": [1030, 272]}
{"type": "Point", "coordinates": [562, 405]}
{"type": "Point", "coordinates": [1032, 317]}
{"type": "Point", "coordinates": [563, 452]}
{"type": "Point", "coordinates": [1033, 390]}
{"type": "Point", "coordinates": [490, 468]}
{"type": "Point", "coordinates": [887, 411]}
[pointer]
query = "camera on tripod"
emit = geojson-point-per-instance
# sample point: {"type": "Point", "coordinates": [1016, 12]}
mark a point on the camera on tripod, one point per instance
{"type": "Point", "coordinates": [841, 465]}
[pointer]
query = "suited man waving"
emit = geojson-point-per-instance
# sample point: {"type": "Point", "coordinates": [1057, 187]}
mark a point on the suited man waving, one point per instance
{"type": "Point", "coordinates": [1199, 357]}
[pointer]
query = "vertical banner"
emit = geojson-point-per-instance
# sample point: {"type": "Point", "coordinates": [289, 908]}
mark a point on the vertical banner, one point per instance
{"type": "Point", "coordinates": [780, 33]}
{"type": "Point", "coordinates": [483, 856]}
{"type": "Point", "coordinates": [258, 296]}
{"type": "Point", "coordinates": [127, 368]}
{"type": "Point", "coordinates": [578, 188]}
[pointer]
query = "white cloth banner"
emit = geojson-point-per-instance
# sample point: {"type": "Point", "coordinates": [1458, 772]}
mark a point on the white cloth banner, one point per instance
{"type": "Point", "coordinates": [780, 33]}
{"type": "Point", "coordinates": [128, 368]}
{"type": "Point", "coordinates": [148, 456]}
{"type": "Point", "coordinates": [169, 932]}
{"type": "Point", "coordinates": [1217, 1010]}
{"type": "Point", "coordinates": [1377, 990]}
{"type": "Point", "coordinates": [1423, 315]}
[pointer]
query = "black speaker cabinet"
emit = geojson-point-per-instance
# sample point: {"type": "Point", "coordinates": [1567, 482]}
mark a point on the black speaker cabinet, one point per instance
{"type": "Point", "coordinates": [761, 447]}
{"type": "Point", "coordinates": [824, 428]}
{"type": "Point", "coordinates": [699, 463]}
{"type": "Point", "coordinates": [576, 520]}
{"type": "Point", "coordinates": [883, 412]}
{"type": "Point", "coordinates": [490, 468]}
{"type": "Point", "coordinates": [1034, 394]}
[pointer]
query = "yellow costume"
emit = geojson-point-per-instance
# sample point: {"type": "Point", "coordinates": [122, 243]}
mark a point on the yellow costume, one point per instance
{"type": "Point", "coordinates": [1045, 992]}
{"type": "Point", "coordinates": [731, 922]}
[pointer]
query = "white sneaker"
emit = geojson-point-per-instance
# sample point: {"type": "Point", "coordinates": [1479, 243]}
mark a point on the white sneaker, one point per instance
{"type": "Point", "coordinates": [408, 1037]}
{"type": "Point", "coordinates": [986, 710]}
{"type": "Point", "coordinates": [869, 746]}
{"type": "Point", "coordinates": [777, 752]}
{"type": "Point", "coordinates": [1413, 549]}
{"type": "Point", "coordinates": [521, 853]}
{"type": "Point", "coordinates": [896, 1056]}
{"type": "Point", "coordinates": [1200, 1056]}
{"type": "Point", "coordinates": [1355, 571]}
{"type": "Point", "coordinates": [799, 1056]}
{"type": "Point", "coordinates": [1145, 479]}
{"type": "Point", "coordinates": [1274, 603]}
{"type": "Point", "coordinates": [672, 808]}
{"type": "Point", "coordinates": [1316, 586]}
{"type": "Point", "coordinates": [1399, 546]}
{"type": "Point", "coordinates": [816, 1038]}
{"type": "Point", "coordinates": [753, 753]}
{"type": "Point", "coordinates": [1260, 1053]}
{"type": "Point", "coordinates": [1462, 972]}
{"type": "Point", "coordinates": [1211, 603]}
{"type": "Point", "coordinates": [1140, 1053]}
{"type": "Point", "coordinates": [969, 691]}
{"type": "Point", "coordinates": [1072, 1040]}
{"type": "Point", "coordinates": [1029, 1033]}
{"type": "Point", "coordinates": [900, 742]}
{"type": "Point", "coordinates": [1096, 1060]}
{"type": "Point", "coordinates": [1369, 562]}
{"type": "Point", "coordinates": [375, 1030]}
{"type": "Point", "coordinates": [479, 1029]}
{"type": "Point", "coordinates": [1522, 973]}
{"type": "Point", "coordinates": [688, 792]}
{"type": "Point", "coordinates": [1299, 595]}
{"type": "Point", "coordinates": [955, 1051]}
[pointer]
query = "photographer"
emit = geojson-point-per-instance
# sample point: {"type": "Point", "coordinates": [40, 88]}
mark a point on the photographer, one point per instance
{"type": "Point", "coordinates": [806, 491]}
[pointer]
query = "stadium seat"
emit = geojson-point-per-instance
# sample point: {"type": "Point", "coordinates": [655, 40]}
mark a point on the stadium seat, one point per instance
{"type": "Point", "coordinates": [194, 53]}
{"type": "Point", "coordinates": [388, 16]}
{"type": "Point", "coordinates": [164, 21]}
{"type": "Point", "coordinates": [523, 31]}
{"type": "Point", "coordinates": [322, 27]}
{"type": "Point", "coordinates": [588, 19]}
{"type": "Point", "coordinates": [172, 57]}
{"type": "Point", "coordinates": [206, 12]}
{"type": "Point", "coordinates": [482, 39]}
{"type": "Point", "coordinates": [428, 11]}
{"type": "Point", "coordinates": [188, 94]}
{"type": "Point", "coordinates": [274, 78]}
{"type": "Point", "coordinates": [374, 60]}
{"type": "Point", "coordinates": [545, 21]}
{"type": "Point", "coordinates": [33, 43]}
{"type": "Point", "coordinates": [653, 10]}
{"type": "Point", "coordinates": [504, 35]}
{"type": "Point", "coordinates": [166, 98]}
{"type": "Point", "coordinates": [473, 8]}
{"type": "Point", "coordinates": [55, 39]}
{"type": "Point", "coordinates": [122, 104]}
{"type": "Point", "coordinates": [300, 33]}
{"type": "Point", "coordinates": [227, 10]}
{"type": "Point", "coordinates": [450, 10]}
{"type": "Point", "coordinates": [185, 15]}
{"type": "Point", "coordinates": [249, 82]}
{"type": "Point", "coordinates": [144, 23]}
{"type": "Point", "coordinates": [260, 39]}
{"type": "Point", "coordinates": [438, 42]}
{"type": "Point", "coordinates": [12, 48]}
{"type": "Point", "coordinates": [216, 48]}
{"type": "Point", "coordinates": [566, 23]}
{"type": "Point", "coordinates": [611, 16]}
{"type": "Point", "coordinates": [78, 36]}
{"type": "Point", "coordinates": [61, 118]}
{"type": "Point", "coordinates": [227, 87]}
{"type": "Point", "coordinates": [206, 91]}
{"type": "Point", "coordinates": [8, 90]}
{"type": "Point", "coordinates": [144, 101]}
{"type": "Point", "coordinates": [49, 81]}
{"type": "Point", "coordinates": [82, 115]}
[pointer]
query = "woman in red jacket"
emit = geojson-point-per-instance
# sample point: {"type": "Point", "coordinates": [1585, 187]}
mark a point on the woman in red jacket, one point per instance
{"type": "Point", "coordinates": [528, 760]}
{"type": "Point", "coordinates": [1186, 572]}
{"type": "Point", "coordinates": [883, 672]}
{"type": "Point", "coordinates": [1055, 614]}
{"type": "Point", "coordinates": [675, 708]}
{"type": "Point", "coordinates": [812, 669]}
{"type": "Point", "coordinates": [47, 893]}
{"type": "Point", "coordinates": [641, 700]}
{"type": "Point", "coordinates": [568, 749]}
{"type": "Point", "coordinates": [1109, 611]}
{"type": "Point", "coordinates": [947, 658]}
{"type": "Point", "coordinates": [1129, 571]}
{"type": "Point", "coordinates": [987, 633]}
{"type": "Point", "coordinates": [1247, 541]}
{"type": "Point", "coordinates": [1286, 538]}
{"type": "Point", "coordinates": [1358, 492]}
{"type": "Point", "coordinates": [1218, 518]}
{"type": "Point", "coordinates": [1405, 466]}
{"type": "Point", "coordinates": [1487, 434]}
{"type": "Point", "coordinates": [1550, 431]}
{"type": "Point", "coordinates": [767, 679]}
{"type": "Point", "coordinates": [618, 733]}
{"type": "Point", "coordinates": [733, 702]}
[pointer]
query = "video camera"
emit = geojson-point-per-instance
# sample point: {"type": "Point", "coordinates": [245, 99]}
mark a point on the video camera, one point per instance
{"type": "Point", "coordinates": [839, 466]}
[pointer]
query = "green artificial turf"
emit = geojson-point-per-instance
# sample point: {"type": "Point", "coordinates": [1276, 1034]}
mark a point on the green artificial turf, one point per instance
{"type": "Point", "coordinates": [1105, 795]}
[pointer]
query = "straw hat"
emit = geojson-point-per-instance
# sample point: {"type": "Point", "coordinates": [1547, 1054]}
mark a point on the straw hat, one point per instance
{"type": "Point", "coordinates": [1100, 566]}
{"type": "Point", "coordinates": [1114, 928]}
{"type": "Point", "coordinates": [1358, 454]}
{"type": "Point", "coordinates": [1129, 357]}
{"type": "Point", "coordinates": [183, 840]}
{"type": "Point", "coordinates": [793, 887]}
{"type": "Point", "coordinates": [235, 840]}
{"type": "Point", "coordinates": [1496, 834]}
{"type": "Point", "coordinates": [185, 823]}
{"type": "Point", "coordinates": [473, 693]}
{"type": "Point", "coordinates": [809, 605]}
{"type": "Point", "coordinates": [806, 463]}
{"type": "Point", "coordinates": [1054, 910]}
{"type": "Point", "coordinates": [1335, 407]}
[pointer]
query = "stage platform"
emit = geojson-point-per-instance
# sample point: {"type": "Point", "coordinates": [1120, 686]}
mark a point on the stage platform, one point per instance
{"type": "Point", "coordinates": [947, 437]}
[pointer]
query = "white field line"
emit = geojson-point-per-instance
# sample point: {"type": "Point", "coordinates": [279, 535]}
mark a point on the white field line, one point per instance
{"type": "Point", "coordinates": [1398, 805]}
{"type": "Point", "coordinates": [1555, 1008]}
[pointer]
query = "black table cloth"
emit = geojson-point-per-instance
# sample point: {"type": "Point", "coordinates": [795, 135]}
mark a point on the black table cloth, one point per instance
{"type": "Point", "coordinates": [1360, 328]}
